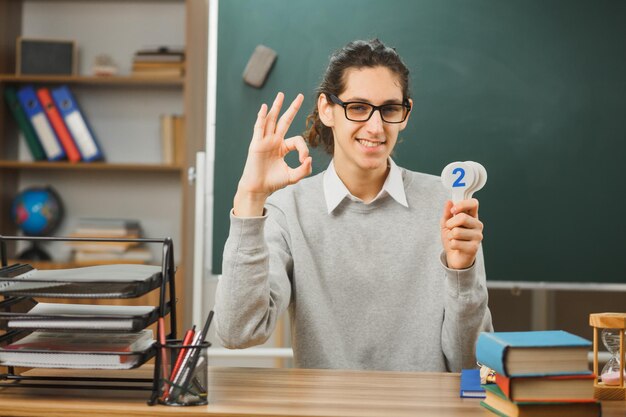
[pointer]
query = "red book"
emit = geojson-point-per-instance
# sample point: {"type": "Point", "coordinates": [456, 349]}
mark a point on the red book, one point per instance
{"type": "Point", "coordinates": [556, 388]}
{"type": "Point", "coordinates": [58, 125]}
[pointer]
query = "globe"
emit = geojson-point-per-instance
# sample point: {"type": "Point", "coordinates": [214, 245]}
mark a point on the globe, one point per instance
{"type": "Point", "coordinates": [37, 211]}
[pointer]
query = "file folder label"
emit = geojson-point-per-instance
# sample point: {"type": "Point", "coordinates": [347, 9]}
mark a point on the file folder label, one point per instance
{"type": "Point", "coordinates": [81, 135]}
{"type": "Point", "coordinates": [46, 136]}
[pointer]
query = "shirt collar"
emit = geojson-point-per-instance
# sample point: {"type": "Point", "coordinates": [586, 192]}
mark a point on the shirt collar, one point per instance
{"type": "Point", "coordinates": [335, 190]}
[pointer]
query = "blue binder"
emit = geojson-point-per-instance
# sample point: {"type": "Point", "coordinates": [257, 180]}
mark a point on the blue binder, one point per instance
{"type": "Point", "coordinates": [37, 117]}
{"type": "Point", "coordinates": [76, 123]}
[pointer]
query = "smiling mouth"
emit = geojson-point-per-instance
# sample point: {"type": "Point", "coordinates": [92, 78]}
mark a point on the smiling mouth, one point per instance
{"type": "Point", "coordinates": [369, 143]}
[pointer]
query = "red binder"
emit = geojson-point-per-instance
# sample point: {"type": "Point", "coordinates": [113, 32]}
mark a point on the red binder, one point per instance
{"type": "Point", "coordinates": [58, 125]}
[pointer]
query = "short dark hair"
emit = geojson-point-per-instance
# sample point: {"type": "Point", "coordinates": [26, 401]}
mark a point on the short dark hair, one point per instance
{"type": "Point", "coordinates": [356, 54]}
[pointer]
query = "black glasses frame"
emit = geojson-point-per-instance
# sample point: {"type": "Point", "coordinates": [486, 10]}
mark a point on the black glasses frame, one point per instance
{"type": "Point", "coordinates": [406, 104]}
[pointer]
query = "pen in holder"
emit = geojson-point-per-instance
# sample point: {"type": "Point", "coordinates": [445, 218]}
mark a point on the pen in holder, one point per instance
{"type": "Point", "coordinates": [187, 380]}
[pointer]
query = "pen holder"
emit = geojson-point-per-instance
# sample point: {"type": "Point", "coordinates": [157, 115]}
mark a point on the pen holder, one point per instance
{"type": "Point", "coordinates": [183, 373]}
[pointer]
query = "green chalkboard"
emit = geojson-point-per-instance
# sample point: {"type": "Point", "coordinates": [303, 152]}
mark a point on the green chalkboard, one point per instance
{"type": "Point", "coordinates": [535, 90]}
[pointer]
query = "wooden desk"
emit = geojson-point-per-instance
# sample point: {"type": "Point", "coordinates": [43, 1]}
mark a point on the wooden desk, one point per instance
{"type": "Point", "coordinates": [277, 392]}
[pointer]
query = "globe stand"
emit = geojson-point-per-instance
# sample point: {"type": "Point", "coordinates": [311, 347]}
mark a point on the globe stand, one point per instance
{"type": "Point", "coordinates": [34, 253]}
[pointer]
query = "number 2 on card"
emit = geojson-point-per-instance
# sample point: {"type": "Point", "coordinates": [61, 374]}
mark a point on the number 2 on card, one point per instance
{"type": "Point", "coordinates": [459, 182]}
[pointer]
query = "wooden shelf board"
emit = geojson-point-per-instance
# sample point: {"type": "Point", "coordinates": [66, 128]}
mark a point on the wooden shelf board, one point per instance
{"type": "Point", "coordinates": [80, 79]}
{"type": "Point", "coordinates": [89, 166]}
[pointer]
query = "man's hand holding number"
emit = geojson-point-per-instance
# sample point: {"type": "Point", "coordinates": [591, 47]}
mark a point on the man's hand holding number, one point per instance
{"type": "Point", "coordinates": [266, 170]}
{"type": "Point", "coordinates": [461, 231]}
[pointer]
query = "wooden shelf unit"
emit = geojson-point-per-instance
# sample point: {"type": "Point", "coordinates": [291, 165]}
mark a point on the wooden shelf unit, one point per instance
{"type": "Point", "coordinates": [192, 87]}
{"type": "Point", "coordinates": [148, 81]}
{"type": "Point", "coordinates": [90, 166]}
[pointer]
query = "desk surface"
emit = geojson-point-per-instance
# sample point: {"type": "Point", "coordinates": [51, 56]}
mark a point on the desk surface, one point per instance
{"type": "Point", "coordinates": [277, 392]}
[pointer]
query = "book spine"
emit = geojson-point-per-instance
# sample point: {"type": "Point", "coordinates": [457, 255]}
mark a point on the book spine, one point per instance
{"type": "Point", "coordinates": [491, 352]}
{"type": "Point", "coordinates": [179, 138]}
{"type": "Point", "coordinates": [34, 146]}
{"type": "Point", "coordinates": [167, 138]}
{"type": "Point", "coordinates": [493, 410]}
{"type": "Point", "coordinates": [41, 125]}
{"type": "Point", "coordinates": [58, 124]}
{"type": "Point", "coordinates": [504, 383]}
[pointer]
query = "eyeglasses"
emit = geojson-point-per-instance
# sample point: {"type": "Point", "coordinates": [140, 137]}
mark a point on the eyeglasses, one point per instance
{"type": "Point", "coordinates": [357, 111]}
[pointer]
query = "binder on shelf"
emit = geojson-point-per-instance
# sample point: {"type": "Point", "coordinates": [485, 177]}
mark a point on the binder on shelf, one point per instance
{"type": "Point", "coordinates": [77, 125]}
{"type": "Point", "coordinates": [58, 124]}
{"type": "Point", "coordinates": [35, 113]}
{"type": "Point", "coordinates": [36, 150]}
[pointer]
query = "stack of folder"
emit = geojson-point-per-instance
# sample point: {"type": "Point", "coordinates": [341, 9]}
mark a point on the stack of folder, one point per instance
{"type": "Point", "coordinates": [53, 125]}
{"type": "Point", "coordinates": [538, 373]}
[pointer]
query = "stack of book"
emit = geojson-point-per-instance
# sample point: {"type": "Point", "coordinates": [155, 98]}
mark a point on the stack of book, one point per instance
{"type": "Point", "coordinates": [538, 373]}
{"type": "Point", "coordinates": [159, 62]}
{"type": "Point", "coordinates": [53, 125]}
{"type": "Point", "coordinates": [172, 131]}
{"type": "Point", "coordinates": [95, 253]}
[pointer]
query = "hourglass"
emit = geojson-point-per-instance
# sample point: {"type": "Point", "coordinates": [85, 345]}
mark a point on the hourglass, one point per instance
{"type": "Point", "coordinates": [609, 383]}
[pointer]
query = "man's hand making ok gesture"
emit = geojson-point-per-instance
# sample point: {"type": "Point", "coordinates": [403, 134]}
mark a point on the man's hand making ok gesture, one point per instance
{"type": "Point", "coordinates": [266, 170]}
